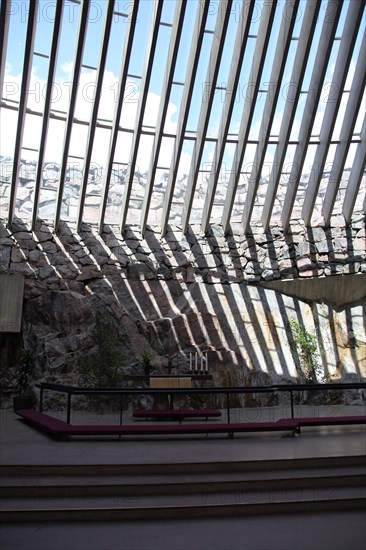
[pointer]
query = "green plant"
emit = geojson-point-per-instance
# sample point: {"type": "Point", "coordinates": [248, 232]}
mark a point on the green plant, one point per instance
{"type": "Point", "coordinates": [23, 373]}
{"type": "Point", "coordinates": [103, 368]}
{"type": "Point", "coordinates": [306, 344]}
{"type": "Point", "coordinates": [145, 358]}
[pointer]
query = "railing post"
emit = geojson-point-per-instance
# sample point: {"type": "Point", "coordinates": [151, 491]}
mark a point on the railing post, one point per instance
{"type": "Point", "coordinates": [120, 409]}
{"type": "Point", "coordinates": [41, 400]}
{"type": "Point", "coordinates": [68, 407]}
{"type": "Point", "coordinates": [292, 403]}
{"type": "Point", "coordinates": [228, 407]}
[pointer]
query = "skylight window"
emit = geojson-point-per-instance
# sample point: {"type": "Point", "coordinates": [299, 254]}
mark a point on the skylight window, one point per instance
{"type": "Point", "coordinates": [163, 159]}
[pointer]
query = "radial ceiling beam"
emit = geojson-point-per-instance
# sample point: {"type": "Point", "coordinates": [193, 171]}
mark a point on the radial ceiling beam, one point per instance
{"type": "Point", "coordinates": [349, 120]}
{"type": "Point", "coordinates": [264, 32]}
{"type": "Point", "coordinates": [331, 18]}
{"type": "Point", "coordinates": [278, 67]}
{"type": "Point", "coordinates": [47, 108]}
{"type": "Point", "coordinates": [208, 91]}
{"type": "Point", "coordinates": [294, 89]}
{"type": "Point", "coordinates": [230, 98]}
{"type": "Point", "coordinates": [96, 102]}
{"type": "Point", "coordinates": [344, 57]}
{"type": "Point", "coordinates": [355, 177]}
{"type": "Point", "coordinates": [5, 11]}
{"type": "Point", "coordinates": [194, 53]}
{"type": "Point", "coordinates": [145, 81]}
{"type": "Point", "coordinates": [83, 22]}
{"type": "Point", "coordinates": [180, 9]}
{"type": "Point", "coordinates": [26, 76]}
{"type": "Point", "coordinates": [125, 60]}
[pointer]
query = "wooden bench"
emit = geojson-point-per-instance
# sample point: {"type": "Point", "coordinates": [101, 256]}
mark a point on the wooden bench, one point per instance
{"type": "Point", "coordinates": [176, 414]}
{"type": "Point", "coordinates": [44, 422]}
{"type": "Point", "coordinates": [330, 421]}
{"type": "Point", "coordinates": [58, 428]}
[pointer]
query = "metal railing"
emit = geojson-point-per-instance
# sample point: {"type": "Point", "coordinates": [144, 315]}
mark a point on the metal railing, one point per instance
{"type": "Point", "coordinates": [227, 391]}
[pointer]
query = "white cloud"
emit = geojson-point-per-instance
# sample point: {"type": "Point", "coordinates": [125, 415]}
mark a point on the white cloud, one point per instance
{"type": "Point", "coordinates": [85, 101]}
{"type": "Point", "coordinates": [67, 67]}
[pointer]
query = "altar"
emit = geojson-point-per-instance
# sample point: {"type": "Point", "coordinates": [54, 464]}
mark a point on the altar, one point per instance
{"type": "Point", "coordinates": [170, 382]}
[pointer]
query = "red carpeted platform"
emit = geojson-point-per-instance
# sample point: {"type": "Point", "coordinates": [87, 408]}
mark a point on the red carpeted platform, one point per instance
{"type": "Point", "coordinates": [176, 414]}
{"type": "Point", "coordinates": [55, 427]}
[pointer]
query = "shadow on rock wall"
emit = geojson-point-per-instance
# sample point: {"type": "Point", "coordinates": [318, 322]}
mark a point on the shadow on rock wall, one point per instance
{"type": "Point", "coordinates": [172, 297]}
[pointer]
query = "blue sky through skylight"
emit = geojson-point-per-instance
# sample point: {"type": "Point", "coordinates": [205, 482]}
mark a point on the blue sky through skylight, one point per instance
{"type": "Point", "coordinates": [92, 47]}
{"type": "Point", "coordinates": [121, 19]}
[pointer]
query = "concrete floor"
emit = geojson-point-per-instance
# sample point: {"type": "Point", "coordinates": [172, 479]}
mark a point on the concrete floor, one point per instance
{"type": "Point", "coordinates": [20, 444]}
{"type": "Point", "coordinates": [322, 531]}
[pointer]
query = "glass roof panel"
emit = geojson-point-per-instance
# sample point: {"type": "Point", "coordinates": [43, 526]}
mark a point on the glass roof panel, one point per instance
{"type": "Point", "coordinates": [299, 18]}
{"type": "Point", "coordinates": [265, 80]}
{"type": "Point", "coordinates": [17, 37]}
{"type": "Point", "coordinates": [170, 124]}
{"type": "Point", "coordinates": [227, 54]}
{"type": "Point", "coordinates": [116, 193]}
{"type": "Point", "coordinates": [17, 111]}
{"type": "Point", "coordinates": [214, 11]}
{"type": "Point", "coordinates": [360, 116]}
{"type": "Point", "coordinates": [53, 152]}
{"type": "Point", "coordinates": [157, 198]}
{"type": "Point", "coordinates": [45, 23]}
{"type": "Point", "coordinates": [8, 121]}
{"type": "Point", "coordinates": [244, 87]}
{"type": "Point", "coordinates": [38, 84]}
{"type": "Point", "coordinates": [256, 18]}
{"type": "Point", "coordinates": [285, 90]}
{"type": "Point", "coordinates": [94, 33]}
{"type": "Point", "coordinates": [157, 81]}
{"type": "Point", "coordinates": [221, 189]}
{"type": "Point", "coordinates": [198, 96]}
{"type": "Point", "coordinates": [303, 181]}
{"type": "Point", "coordinates": [340, 116]}
{"type": "Point", "coordinates": [116, 43]}
{"type": "Point", "coordinates": [32, 133]}
{"type": "Point", "coordinates": [140, 179]}
{"type": "Point", "coordinates": [48, 191]}
{"type": "Point", "coordinates": [168, 12]}
{"type": "Point", "coordinates": [124, 143]}
{"type": "Point", "coordinates": [142, 30]}
{"type": "Point", "coordinates": [314, 47]}
{"type": "Point", "coordinates": [281, 190]}
{"type": "Point", "coordinates": [95, 176]}
{"type": "Point", "coordinates": [130, 103]}
{"type": "Point", "coordinates": [186, 38]}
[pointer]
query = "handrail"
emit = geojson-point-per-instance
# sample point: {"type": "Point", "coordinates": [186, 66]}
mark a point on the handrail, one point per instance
{"type": "Point", "coordinates": [228, 390]}
{"type": "Point", "coordinates": [219, 389]}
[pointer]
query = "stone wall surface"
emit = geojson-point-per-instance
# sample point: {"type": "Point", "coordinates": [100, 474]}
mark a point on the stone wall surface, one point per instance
{"type": "Point", "coordinates": [50, 183]}
{"type": "Point", "coordinates": [178, 294]}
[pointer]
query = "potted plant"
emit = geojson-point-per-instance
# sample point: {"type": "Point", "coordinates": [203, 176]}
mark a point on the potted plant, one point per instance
{"type": "Point", "coordinates": [146, 356]}
{"type": "Point", "coordinates": [24, 398]}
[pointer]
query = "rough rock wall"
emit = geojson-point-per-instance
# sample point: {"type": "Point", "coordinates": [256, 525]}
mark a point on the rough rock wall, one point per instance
{"type": "Point", "coordinates": [181, 294]}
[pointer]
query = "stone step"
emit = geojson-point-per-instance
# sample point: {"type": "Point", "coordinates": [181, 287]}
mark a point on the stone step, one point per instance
{"type": "Point", "coordinates": [220, 505]}
{"type": "Point", "coordinates": [218, 494]}
{"type": "Point", "coordinates": [38, 486]}
{"type": "Point", "coordinates": [166, 492]}
{"type": "Point", "coordinates": [193, 467]}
